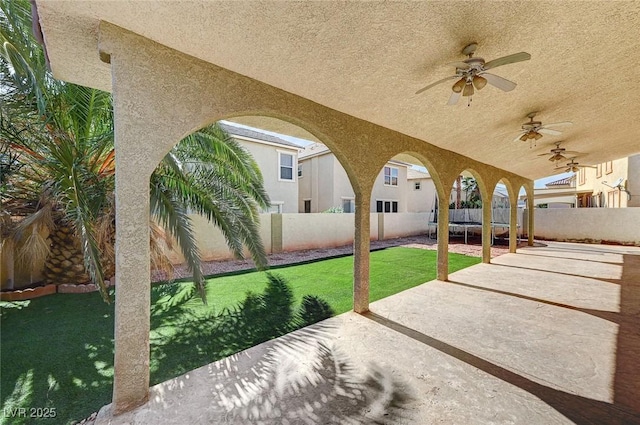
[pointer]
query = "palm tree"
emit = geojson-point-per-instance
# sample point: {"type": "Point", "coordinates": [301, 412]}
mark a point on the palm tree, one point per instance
{"type": "Point", "coordinates": [58, 171]}
{"type": "Point", "coordinates": [472, 192]}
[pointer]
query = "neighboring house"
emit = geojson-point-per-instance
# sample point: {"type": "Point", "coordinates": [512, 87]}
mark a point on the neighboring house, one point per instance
{"type": "Point", "coordinates": [421, 194]}
{"type": "Point", "coordinates": [612, 184]}
{"type": "Point", "coordinates": [278, 161]}
{"type": "Point", "coordinates": [324, 184]}
{"type": "Point", "coordinates": [556, 194]}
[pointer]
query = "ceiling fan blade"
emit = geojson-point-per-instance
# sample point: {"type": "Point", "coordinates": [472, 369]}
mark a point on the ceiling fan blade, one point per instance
{"type": "Point", "coordinates": [516, 57]}
{"type": "Point", "coordinates": [548, 131]}
{"type": "Point", "coordinates": [454, 98]}
{"type": "Point", "coordinates": [499, 82]}
{"type": "Point", "coordinates": [558, 124]}
{"type": "Point", "coordinates": [436, 83]}
{"type": "Point", "coordinates": [460, 65]}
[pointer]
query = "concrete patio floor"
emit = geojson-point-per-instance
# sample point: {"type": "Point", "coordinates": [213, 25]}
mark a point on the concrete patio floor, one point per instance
{"type": "Point", "coordinates": [550, 335]}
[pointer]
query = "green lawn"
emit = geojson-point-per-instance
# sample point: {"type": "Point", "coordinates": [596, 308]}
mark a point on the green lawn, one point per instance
{"type": "Point", "coordinates": [57, 351]}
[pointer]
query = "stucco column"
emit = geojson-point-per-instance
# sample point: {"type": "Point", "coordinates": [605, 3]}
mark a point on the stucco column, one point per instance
{"type": "Point", "coordinates": [135, 160]}
{"type": "Point", "coordinates": [530, 204]}
{"type": "Point", "coordinates": [443, 239]}
{"type": "Point", "coordinates": [513, 224]}
{"type": "Point", "coordinates": [131, 362]}
{"type": "Point", "coordinates": [486, 229]}
{"type": "Point", "coordinates": [361, 246]}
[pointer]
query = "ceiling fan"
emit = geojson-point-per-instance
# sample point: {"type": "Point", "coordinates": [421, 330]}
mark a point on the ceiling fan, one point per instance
{"type": "Point", "coordinates": [573, 166]}
{"type": "Point", "coordinates": [558, 153]}
{"type": "Point", "coordinates": [534, 130]}
{"type": "Point", "coordinates": [472, 72]}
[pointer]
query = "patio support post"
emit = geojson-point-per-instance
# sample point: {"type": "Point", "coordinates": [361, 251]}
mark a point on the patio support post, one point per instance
{"type": "Point", "coordinates": [443, 239]}
{"type": "Point", "coordinates": [513, 223]}
{"type": "Point", "coordinates": [486, 229]}
{"type": "Point", "coordinates": [530, 204]}
{"type": "Point", "coordinates": [131, 362]}
{"type": "Point", "coordinates": [361, 245]}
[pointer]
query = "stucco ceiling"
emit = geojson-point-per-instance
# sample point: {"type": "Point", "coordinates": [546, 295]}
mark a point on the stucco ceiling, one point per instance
{"type": "Point", "coordinates": [367, 59]}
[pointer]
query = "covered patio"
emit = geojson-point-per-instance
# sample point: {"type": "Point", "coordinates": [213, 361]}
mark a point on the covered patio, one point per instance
{"type": "Point", "coordinates": [352, 78]}
{"type": "Point", "coordinates": [545, 336]}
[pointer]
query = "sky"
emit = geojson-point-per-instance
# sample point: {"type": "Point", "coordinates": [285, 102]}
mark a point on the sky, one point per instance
{"type": "Point", "coordinates": [538, 184]}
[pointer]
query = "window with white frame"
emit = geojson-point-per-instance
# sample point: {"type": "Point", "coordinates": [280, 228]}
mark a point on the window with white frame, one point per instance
{"type": "Point", "coordinates": [417, 186]}
{"type": "Point", "coordinates": [299, 170]}
{"type": "Point", "coordinates": [390, 176]}
{"type": "Point", "coordinates": [286, 161]}
{"type": "Point", "coordinates": [275, 208]}
{"type": "Point", "coordinates": [348, 205]}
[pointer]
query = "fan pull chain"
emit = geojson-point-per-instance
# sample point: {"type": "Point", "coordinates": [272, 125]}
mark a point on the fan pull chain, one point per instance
{"type": "Point", "coordinates": [469, 103]}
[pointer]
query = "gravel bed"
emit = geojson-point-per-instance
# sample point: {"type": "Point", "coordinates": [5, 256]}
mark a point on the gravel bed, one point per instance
{"type": "Point", "coordinates": [423, 242]}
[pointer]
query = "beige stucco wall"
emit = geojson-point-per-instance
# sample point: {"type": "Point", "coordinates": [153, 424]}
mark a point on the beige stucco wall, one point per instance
{"type": "Point", "coordinates": [212, 244]}
{"type": "Point", "coordinates": [305, 187]}
{"type": "Point", "coordinates": [280, 191]}
{"type": "Point", "coordinates": [391, 193]}
{"type": "Point", "coordinates": [422, 200]}
{"type": "Point", "coordinates": [341, 184]}
{"type": "Point", "coordinates": [405, 224]}
{"type": "Point", "coordinates": [589, 224]}
{"type": "Point", "coordinates": [318, 230]}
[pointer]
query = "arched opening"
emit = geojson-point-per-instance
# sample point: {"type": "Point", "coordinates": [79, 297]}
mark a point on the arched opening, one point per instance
{"type": "Point", "coordinates": [404, 211]}
{"type": "Point", "coordinates": [465, 210]}
{"type": "Point", "coordinates": [501, 214]}
{"type": "Point", "coordinates": [288, 233]}
{"type": "Point", "coordinates": [526, 204]}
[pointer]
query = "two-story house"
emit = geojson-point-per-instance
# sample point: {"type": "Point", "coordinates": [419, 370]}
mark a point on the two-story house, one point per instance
{"type": "Point", "coordinates": [278, 161]}
{"type": "Point", "coordinates": [612, 184]}
{"type": "Point", "coordinates": [324, 184]}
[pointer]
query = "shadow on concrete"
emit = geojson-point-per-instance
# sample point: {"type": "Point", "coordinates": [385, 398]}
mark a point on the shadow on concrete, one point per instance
{"type": "Point", "coordinates": [580, 410]}
{"type": "Point", "coordinates": [303, 378]}
{"type": "Point", "coordinates": [536, 254]}
{"type": "Point", "coordinates": [627, 376]}
{"type": "Point", "coordinates": [602, 314]}
{"type": "Point", "coordinates": [559, 272]}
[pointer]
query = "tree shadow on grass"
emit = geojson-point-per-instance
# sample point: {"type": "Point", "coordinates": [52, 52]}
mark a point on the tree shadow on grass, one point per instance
{"type": "Point", "coordinates": [299, 378]}
{"type": "Point", "coordinates": [57, 356]}
{"type": "Point", "coordinates": [183, 338]}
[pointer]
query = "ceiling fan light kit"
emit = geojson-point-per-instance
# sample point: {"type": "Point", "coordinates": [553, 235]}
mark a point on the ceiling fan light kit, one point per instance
{"type": "Point", "coordinates": [472, 72]}
{"type": "Point", "coordinates": [533, 131]}
{"type": "Point", "coordinates": [471, 75]}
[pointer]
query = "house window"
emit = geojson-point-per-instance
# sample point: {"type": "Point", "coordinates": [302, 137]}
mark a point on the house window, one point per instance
{"type": "Point", "coordinates": [299, 171]}
{"type": "Point", "coordinates": [390, 176]}
{"type": "Point", "coordinates": [275, 208]}
{"type": "Point", "coordinates": [286, 166]}
{"type": "Point", "coordinates": [387, 206]}
{"type": "Point", "coordinates": [608, 167]}
{"type": "Point", "coordinates": [348, 205]}
{"type": "Point", "coordinates": [417, 186]}
{"type": "Point", "coordinates": [581, 176]}
{"type": "Point", "coordinates": [598, 171]}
